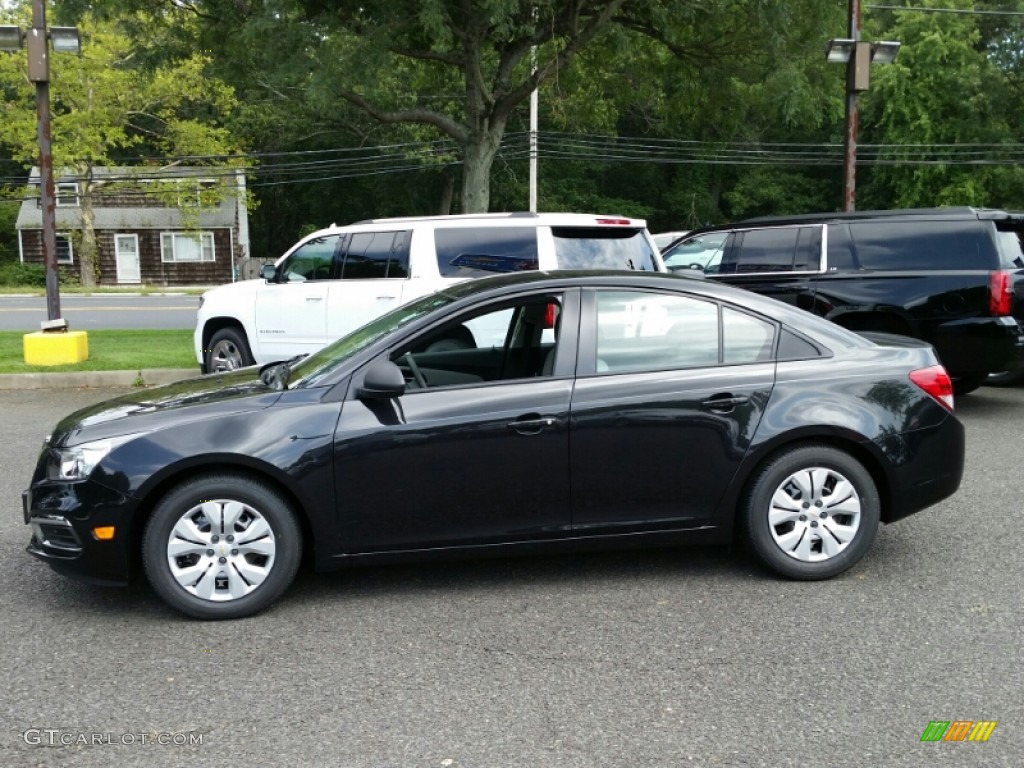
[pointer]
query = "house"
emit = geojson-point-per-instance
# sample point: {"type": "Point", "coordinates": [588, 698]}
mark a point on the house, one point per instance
{"type": "Point", "coordinates": [155, 226]}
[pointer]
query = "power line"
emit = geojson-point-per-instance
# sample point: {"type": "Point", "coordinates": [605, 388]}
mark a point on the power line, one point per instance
{"type": "Point", "coordinates": [965, 11]}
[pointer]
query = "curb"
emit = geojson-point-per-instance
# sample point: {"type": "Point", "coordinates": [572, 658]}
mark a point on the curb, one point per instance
{"type": "Point", "coordinates": [85, 379]}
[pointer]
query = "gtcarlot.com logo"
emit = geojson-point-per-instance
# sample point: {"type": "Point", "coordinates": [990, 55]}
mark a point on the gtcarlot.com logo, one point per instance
{"type": "Point", "coordinates": [54, 737]}
{"type": "Point", "coordinates": [958, 730]}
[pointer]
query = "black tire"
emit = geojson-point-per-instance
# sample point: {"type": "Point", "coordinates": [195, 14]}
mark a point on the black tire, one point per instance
{"type": "Point", "coordinates": [964, 385]}
{"type": "Point", "coordinates": [235, 559]}
{"type": "Point", "coordinates": [1005, 378]}
{"type": "Point", "coordinates": [228, 350]}
{"type": "Point", "coordinates": [807, 558]}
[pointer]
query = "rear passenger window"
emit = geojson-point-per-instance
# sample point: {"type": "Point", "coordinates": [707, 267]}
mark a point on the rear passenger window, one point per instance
{"type": "Point", "coordinates": [745, 338]}
{"type": "Point", "coordinates": [641, 331]}
{"type": "Point", "coordinates": [926, 245]}
{"type": "Point", "coordinates": [376, 255]}
{"type": "Point", "coordinates": [477, 251]}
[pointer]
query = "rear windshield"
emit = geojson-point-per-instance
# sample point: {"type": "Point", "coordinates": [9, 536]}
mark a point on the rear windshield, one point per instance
{"type": "Point", "coordinates": [1008, 237]}
{"type": "Point", "coordinates": [603, 248]}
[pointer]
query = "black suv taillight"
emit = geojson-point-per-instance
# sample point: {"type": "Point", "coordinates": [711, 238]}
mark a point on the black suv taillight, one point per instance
{"type": "Point", "coordinates": [1000, 294]}
{"type": "Point", "coordinates": [936, 382]}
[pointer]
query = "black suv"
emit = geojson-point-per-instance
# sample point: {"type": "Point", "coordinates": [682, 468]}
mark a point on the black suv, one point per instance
{"type": "Point", "coordinates": [953, 277]}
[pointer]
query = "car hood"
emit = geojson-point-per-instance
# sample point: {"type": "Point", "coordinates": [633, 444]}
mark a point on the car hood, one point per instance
{"type": "Point", "coordinates": [147, 410]}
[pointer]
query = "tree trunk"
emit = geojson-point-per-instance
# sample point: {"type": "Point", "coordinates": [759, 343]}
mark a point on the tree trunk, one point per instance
{"type": "Point", "coordinates": [89, 268]}
{"type": "Point", "coordinates": [478, 156]}
{"type": "Point", "coordinates": [447, 192]}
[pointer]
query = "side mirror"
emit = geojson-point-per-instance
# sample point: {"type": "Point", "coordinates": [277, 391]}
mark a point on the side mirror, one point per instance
{"type": "Point", "coordinates": [268, 272]}
{"type": "Point", "coordinates": [383, 380]}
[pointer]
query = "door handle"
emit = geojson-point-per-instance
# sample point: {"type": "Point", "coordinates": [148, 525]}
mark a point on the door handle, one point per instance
{"type": "Point", "coordinates": [314, 298]}
{"type": "Point", "coordinates": [386, 298]}
{"type": "Point", "coordinates": [723, 403]}
{"type": "Point", "coordinates": [532, 426]}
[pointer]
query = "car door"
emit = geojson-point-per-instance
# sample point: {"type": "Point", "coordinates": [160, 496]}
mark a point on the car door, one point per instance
{"type": "Point", "coordinates": [780, 262]}
{"type": "Point", "coordinates": [291, 310]}
{"type": "Point", "coordinates": [374, 275]}
{"type": "Point", "coordinates": [477, 450]}
{"type": "Point", "coordinates": [669, 393]}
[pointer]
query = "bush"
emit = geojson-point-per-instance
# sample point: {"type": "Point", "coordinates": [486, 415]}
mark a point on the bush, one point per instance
{"type": "Point", "coordinates": [17, 274]}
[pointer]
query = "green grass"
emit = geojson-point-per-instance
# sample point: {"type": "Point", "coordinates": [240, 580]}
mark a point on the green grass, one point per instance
{"type": "Point", "coordinates": [110, 351]}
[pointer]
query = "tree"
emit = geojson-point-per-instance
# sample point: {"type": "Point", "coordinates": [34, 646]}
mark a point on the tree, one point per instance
{"type": "Point", "coordinates": [107, 106]}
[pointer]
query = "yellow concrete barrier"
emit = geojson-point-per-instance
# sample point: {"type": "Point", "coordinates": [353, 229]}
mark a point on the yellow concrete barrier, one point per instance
{"type": "Point", "coordinates": [56, 348]}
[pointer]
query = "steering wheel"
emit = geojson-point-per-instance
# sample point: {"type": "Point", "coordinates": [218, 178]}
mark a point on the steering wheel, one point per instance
{"type": "Point", "coordinates": [414, 369]}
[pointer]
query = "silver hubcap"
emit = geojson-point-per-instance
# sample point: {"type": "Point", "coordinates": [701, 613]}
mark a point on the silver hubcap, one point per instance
{"type": "Point", "coordinates": [221, 550]}
{"type": "Point", "coordinates": [815, 514]}
{"type": "Point", "coordinates": [225, 356]}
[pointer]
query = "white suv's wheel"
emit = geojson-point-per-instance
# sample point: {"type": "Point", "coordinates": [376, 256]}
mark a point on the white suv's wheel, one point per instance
{"type": "Point", "coordinates": [812, 512]}
{"type": "Point", "coordinates": [221, 546]}
{"type": "Point", "coordinates": [228, 350]}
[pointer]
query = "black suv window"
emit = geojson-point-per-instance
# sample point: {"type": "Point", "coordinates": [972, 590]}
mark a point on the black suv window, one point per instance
{"type": "Point", "coordinates": [476, 251]}
{"type": "Point", "coordinates": [775, 249]}
{"type": "Point", "coordinates": [376, 254]}
{"type": "Point", "coordinates": [924, 245]}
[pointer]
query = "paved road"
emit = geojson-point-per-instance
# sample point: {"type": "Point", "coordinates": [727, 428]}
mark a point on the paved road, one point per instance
{"type": "Point", "coordinates": [669, 658]}
{"type": "Point", "coordinates": [106, 312]}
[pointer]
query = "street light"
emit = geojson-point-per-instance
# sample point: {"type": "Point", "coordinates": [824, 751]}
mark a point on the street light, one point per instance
{"type": "Point", "coordinates": [63, 40]}
{"type": "Point", "coordinates": [858, 55]}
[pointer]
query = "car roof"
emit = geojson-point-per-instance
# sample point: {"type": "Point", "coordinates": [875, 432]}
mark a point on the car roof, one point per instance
{"type": "Point", "coordinates": [914, 214]}
{"type": "Point", "coordinates": [517, 217]}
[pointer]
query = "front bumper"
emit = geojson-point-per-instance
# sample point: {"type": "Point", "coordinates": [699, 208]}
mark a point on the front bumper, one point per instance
{"type": "Point", "coordinates": [62, 517]}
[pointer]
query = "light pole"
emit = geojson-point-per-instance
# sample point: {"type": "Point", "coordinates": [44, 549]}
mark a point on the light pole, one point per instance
{"type": "Point", "coordinates": [36, 39]}
{"type": "Point", "coordinates": [858, 55]}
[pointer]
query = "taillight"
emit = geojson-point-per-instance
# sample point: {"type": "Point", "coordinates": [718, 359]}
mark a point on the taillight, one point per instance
{"type": "Point", "coordinates": [936, 382]}
{"type": "Point", "coordinates": [1000, 294]}
{"type": "Point", "coordinates": [622, 222]}
{"type": "Point", "coordinates": [549, 315]}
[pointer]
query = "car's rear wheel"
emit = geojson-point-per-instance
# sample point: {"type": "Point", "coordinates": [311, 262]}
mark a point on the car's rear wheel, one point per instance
{"type": "Point", "coordinates": [221, 546]}
{"type": "Point", "coordinates": [811, 512]}
{"type": "Point", "coordinates": [227, 351]}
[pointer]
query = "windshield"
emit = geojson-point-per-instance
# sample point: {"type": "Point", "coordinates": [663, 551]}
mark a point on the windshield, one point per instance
{"type": "Point", "coordinates": [310, 371]}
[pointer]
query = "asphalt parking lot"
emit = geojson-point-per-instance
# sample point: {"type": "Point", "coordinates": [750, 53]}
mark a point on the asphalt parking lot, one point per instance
{"type": "Point", "coordinates": [664, 658]}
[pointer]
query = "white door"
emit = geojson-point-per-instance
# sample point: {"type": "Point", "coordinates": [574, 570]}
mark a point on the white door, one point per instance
{"type": "Point", "coordinates": [126, 251]}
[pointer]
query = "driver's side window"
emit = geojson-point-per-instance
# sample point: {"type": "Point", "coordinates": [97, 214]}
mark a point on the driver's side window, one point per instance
{"type": "Point", "coordinates": [505, 342]}
{"type": "Point", "coordinates": [311, 261]}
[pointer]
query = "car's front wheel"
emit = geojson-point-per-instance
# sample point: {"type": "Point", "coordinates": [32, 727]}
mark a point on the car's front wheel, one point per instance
{"type": "Point", "coordinates": [811, 512]}
{"type": "Point", "coordinates": [221, 546]}
{"type": "Point", "coordinates": [228, 350]}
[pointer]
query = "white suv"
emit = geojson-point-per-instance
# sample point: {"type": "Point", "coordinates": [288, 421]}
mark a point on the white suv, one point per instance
{"type": "Point", "coordinates": [338, 279]}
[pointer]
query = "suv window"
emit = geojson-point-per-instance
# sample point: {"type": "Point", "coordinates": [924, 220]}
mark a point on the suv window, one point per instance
{"type": "Point", "coordinates": [603, 248]}
{"type": "Point", "coordinates": [476, 251]}
{"type": "Point", "coordinates": [927, 245]}
{"type": "Point", "coordinates": [774, 249]}
{"type": "Point", "coordinates": [311, 261]}
{"type": "Point", "coordinates": [376, 255]}
{"type": "Point", "coordinates": [701, 252]}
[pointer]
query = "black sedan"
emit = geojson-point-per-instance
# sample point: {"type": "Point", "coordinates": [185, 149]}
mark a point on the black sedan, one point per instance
{"type": "Point", "coordinates": [591, 409]}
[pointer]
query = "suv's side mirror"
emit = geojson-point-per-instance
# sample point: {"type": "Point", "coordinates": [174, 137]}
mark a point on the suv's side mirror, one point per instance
{"type": "Point", "coordinates": [383, 380]}
{"type": "Point", "coordinates": [268, 272]}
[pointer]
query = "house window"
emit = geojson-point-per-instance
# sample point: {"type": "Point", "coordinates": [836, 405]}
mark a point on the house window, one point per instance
{"type": "Point", "coordinates": [182, 246]}
{"type": "Point", "coordinates": [64, 253]}
{"type": "Point", "coordinates": [67, 193]}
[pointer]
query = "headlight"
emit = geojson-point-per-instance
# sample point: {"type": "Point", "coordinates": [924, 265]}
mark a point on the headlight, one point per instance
{"type": "Point", "coordinates": [77, 463]}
